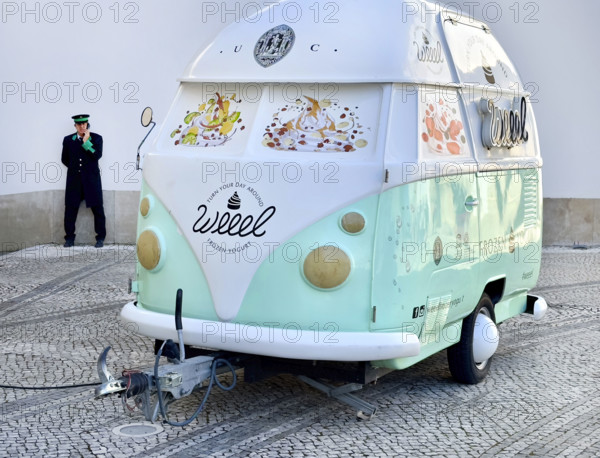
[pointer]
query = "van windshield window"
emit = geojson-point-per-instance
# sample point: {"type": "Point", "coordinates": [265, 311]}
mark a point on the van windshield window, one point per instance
{"type": "Point", "coordinates": [209, 121]}
{"type": "Point", "coordinates": [478, 56]}
{"type": "Point", "coordinates": [308, 124]}
{"type": "Point", "coordinates": [296, 118]}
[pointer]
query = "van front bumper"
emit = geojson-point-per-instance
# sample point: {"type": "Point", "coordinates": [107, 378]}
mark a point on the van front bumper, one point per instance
{"type": "Point", "coordinates": [273, 339]}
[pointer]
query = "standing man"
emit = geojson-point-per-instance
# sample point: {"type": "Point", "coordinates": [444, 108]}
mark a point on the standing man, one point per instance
{"type": "Point", "coordinates": [80, 153]}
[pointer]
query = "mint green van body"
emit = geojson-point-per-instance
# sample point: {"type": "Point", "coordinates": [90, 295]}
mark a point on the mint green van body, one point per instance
{"type": "Point", "coordinates": [384, 217]}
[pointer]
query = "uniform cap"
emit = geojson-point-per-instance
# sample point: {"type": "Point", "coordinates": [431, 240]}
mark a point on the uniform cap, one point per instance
{"type": "Point", "coordinates": [81, 117]}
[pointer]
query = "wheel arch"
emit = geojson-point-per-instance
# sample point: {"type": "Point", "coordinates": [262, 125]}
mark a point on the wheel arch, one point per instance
{"type": "Point", "coordinates": [494, 288]}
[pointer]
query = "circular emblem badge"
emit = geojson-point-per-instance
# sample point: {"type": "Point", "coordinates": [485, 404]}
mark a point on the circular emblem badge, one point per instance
{"type": "Point", "coordinates": [274, 45]}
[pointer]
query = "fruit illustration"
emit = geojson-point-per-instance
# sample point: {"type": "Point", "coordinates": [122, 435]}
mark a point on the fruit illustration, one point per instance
{"type": "Point", "coordinates": [190, 117]}
{"type": "Point", "coordinates": [316, 126]}
{"type": "Point", "coordinates": [443, 129]}
{"type": "Point", "coordinates": [213, 124]}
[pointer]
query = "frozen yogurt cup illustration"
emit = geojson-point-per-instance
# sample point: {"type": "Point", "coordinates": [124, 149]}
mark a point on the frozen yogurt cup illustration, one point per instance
{"type": "Point", "coordinates": [487, 70]}
{"type": "Point", "coordinates": [444, 133]}
{"type": "Point", "coordinates": [213, 124]}
{"type": "Point", "coordinates": [318, 126]}
{"type": "Point", "coordinates": [234, 202]}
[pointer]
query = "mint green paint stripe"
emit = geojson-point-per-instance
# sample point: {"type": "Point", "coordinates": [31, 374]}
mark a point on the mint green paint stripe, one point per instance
{"type": "Point", "coordinates": [280, 294]}
{"type": "Point", "coordinates": [181, 269]}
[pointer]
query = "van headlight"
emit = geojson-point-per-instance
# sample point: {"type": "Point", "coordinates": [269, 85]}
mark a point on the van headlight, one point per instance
{"type": "Point", "coordinates": [327, 267]}
{"type": "Point", "coordinates": [150, 249]}
{"type": "Point", "coordinates": [353, 223]}
{"type": "Point", "coordinates": [146, 205]}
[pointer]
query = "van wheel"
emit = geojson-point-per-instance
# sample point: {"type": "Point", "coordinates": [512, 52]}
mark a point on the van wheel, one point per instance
{"type": "Point", "coordinates": [463, 364]}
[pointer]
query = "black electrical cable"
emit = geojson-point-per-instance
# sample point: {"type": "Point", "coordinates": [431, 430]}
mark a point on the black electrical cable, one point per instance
{"type": "Point", "coordinates": [213, 379]}
{"type": "Point", "coordinates": [64, 387]}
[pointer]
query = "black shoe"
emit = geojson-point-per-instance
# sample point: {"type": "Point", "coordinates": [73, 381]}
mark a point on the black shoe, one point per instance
{"type": "Point", "coordinates": [69, 243]}
{"type": "Point", "coordinates": [99, 243]}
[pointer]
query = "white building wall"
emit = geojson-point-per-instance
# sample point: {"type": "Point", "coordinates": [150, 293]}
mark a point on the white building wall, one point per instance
{"type": "Point", "coordinates": [554, 46]}
{"type": "Point", "coordinates": [111, 59]}
{"type": "Point", "coordinates": [108, 59]}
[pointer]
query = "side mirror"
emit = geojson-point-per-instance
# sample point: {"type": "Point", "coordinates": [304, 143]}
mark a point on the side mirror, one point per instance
{"type": "Point", "coordinates": [146, 120]}
{"type": "Point", "coordinates": [146, 116]}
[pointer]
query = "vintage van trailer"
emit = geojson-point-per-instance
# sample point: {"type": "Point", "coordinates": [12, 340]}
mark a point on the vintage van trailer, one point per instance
{"type": "Point", "coordinates": [363, 187]}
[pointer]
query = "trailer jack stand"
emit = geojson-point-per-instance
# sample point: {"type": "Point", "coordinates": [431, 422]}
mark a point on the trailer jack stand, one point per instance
{"type": "Point", "coordinates": [365, 410]}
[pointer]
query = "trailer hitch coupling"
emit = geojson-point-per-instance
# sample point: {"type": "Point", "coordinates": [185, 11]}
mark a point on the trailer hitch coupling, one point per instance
{"type": "Point", "coordinates": [109, 384]}
{"type": "Point", "coordinates": [153, 389]}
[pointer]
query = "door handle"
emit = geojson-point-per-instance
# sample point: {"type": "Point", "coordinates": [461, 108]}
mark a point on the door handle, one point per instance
{"type": "Point", "coordinates": [471, 202]}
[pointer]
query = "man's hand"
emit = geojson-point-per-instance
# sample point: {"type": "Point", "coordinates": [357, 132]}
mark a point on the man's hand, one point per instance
{"type": "Point", "coordinates": [86, 136]}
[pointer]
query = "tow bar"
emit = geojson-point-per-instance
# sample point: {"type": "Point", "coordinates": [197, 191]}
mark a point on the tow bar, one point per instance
{"type": "Point", "coordinates": [153, 390]}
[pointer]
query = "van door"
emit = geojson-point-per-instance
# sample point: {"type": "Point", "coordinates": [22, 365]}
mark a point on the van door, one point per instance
{"type": "Point", "coordinates": [507, 153]}
{"type": "Point", "coordinates": [425, 259]}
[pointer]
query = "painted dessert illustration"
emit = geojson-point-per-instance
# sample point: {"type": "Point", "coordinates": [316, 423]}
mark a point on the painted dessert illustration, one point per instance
{"type": "Point", "coordinates": [487, 70]}
{"type": "Point", "coordinates": [234, 202]}
{"type": "Point", "coordinates": [213, 124]}
{"type": "Point", "coordinates": [443, 129]}
{"type": "Point", "coordinates": [318, 126]}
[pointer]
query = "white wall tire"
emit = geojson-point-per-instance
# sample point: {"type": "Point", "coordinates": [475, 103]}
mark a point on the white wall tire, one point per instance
{"type": "Point", "coordinates": [464, 366]}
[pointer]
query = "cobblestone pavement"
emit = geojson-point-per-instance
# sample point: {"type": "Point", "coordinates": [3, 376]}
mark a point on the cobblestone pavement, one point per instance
{"type": "Point", "coordinates": [59, 309]}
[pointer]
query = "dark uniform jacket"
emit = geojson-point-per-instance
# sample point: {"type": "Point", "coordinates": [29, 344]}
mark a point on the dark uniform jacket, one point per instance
{"type": "Point", "coordinates": [83, 174]}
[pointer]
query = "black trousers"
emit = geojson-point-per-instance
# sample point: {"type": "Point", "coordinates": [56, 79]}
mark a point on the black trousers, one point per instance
{"type": "Point", "coordinates": [99, 221]}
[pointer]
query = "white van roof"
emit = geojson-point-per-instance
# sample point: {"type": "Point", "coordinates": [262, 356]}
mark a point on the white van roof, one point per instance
{"type": "Point", "coordinates": [354, 41]}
